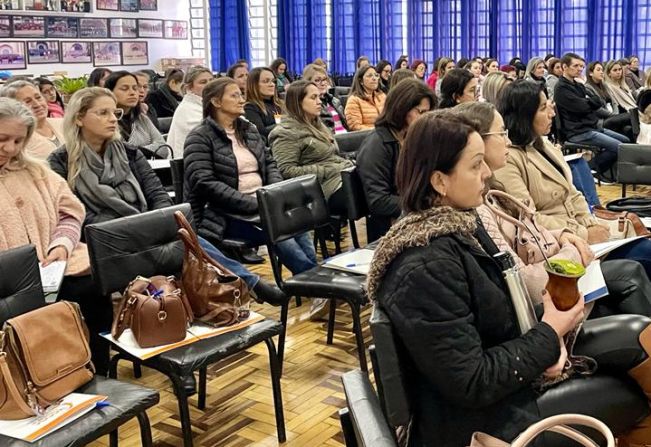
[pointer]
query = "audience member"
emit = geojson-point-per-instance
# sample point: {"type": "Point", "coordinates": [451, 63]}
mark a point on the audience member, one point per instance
{"type": "Point", "coordinates": [492, 66]}
{"type": "Point", "coordinates": [621, 94]}
{"type": "Point", "coordinates": [400, 75]}
{"type": "Point", "coordinates": [554, 72]}
{"type": "Point", "coordinates": [384, 69]}
{"type": "Point", "coordinates": [402, 62]}
{"type": "Point", "coordinates": [536, 72]}
{"type": "Point", "coordinates": [366, 100]}
{"type": "Point", "coordinates": [167, 97]}
{"type": "Point", "coordinates": [362, 62]}
{"type": "Point", "coordinates": [419, 67]}
{"type": "Point", "coordinates": [635, 77]}
{"type": "Point", "coordinates": [475, 67]}
{"type": "Point", "coordinates": [143, 90]}
{"type": "Point", "coordinates": [240, 73]}
{"type": "Point", "coordinates": [55, 106]}
{"type": "Point", "coordinates": [510, 71]}
{"type": "Point", "coordinates": [263, 108]}
{"type": "Point", "coordinates": [283, 79]}
{"type": "Point", "coordinates": [444, 65]}
{"type": "Point", "coordinates": [458, 86]}
{"type": "Point", "coordinates": [493, 85]}
{"type": "Point", "coordinates": [98, 76]}
{"type": "Point", "coordinates": [643, 104]}
{"type": "Point", "coordinates": [332, 112]}
{"type": "Point", "coordinates": [609, 112]}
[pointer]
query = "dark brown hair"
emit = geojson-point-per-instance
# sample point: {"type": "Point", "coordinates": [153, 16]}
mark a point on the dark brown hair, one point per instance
{"type": "Point", "coordinates": [400, 100]}
{"type": "Point", "coordinates": [253, 95]}
{"type": "Point", "coordinates": [215, 89]}
{"type": "Point", "coordinates": [357, 88]}
{"type": "Point", "coordinates": [296, 92]}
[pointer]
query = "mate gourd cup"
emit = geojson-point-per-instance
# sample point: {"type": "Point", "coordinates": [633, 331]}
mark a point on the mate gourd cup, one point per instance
{"type": "Point", "coordinates": [563, 282]}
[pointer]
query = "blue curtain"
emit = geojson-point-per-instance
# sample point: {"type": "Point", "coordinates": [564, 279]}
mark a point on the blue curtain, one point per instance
{"type": "Point", "coordinates": [302, 32]}
{"type": "Point", "coordinates": [229, 33]}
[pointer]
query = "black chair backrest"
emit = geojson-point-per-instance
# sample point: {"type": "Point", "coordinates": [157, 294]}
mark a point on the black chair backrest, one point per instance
{"type": "Point", "coordinates": [145, 244]}
{"type": "Point", "coordinates": [354, 192]}
{"type": "Point", "coordinates": [389, 377]}
{"type": "Point", "coordinates": [635, 120]}
{"type": "Point", "coordinates": [351, 141]}
{"type": "Point", "coordinates": [176, 166]}
{"type": "Point", "coordinates": [558, 127]}
{"type": "Point", "coordinates": [634, 164]}
{"type": "Point", "coordinates": [164, 124]}
{"type": "Point", "coordinates": [339, 91]}
{"type": "Point", "coordinates": [344, 100]}
{"type": "Point", "coordinates": [20, 282]}
{"type": "Point", "coordinates": [292, 207]}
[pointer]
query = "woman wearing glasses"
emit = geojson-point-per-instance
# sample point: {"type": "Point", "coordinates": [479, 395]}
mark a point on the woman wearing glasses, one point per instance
{"type": "Point", "coordinates": [262, 108]}
{"type": "Point", "coordinates": [366, 100]}
{"type": "Point", "coordinates": [378, 156]}
{"type": "Point", "coordinates": [384, 69]}
{"type": "Point", "coordinates": [458, 86]}
{"type": "Point", "coordinates": [332, 112]}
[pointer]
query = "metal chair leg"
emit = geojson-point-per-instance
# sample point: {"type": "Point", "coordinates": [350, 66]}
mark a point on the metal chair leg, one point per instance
{"type": "Point", "coordinates": [353, 233]}
{"type": "Point", "coordinates": [113, 438]}
{"type": "Point", "coordinates": [203, 376]}
{"type": "Point", "coordinates": [184, 411]}
{"type": "Point", "coordinates": [331, 321]}
{"type": "Point", "coordinates": [274, 366]}
{"type": "Point", "coordinates": [113, 366]}
{"type": "Point", "coordinates": [361, 349]}
{"type": "Point", "coordinates": [145, 429]}
{"type": "Point", "coordinates": [281, 338]}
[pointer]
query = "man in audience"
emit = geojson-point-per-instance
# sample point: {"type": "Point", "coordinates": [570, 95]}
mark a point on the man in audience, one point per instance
{"type": "Point", "coordinates": [577, 108]}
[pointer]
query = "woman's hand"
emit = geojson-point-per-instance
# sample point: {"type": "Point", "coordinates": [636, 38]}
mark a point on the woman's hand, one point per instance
{"type": "Point", "coordinates": [562, 321]}
{"type": "Point", "coordinates": [598, 234]}
{"type": "Point", "coordinates": [587, 256]}
{"type": "Point", "coordinates": [557, 368]}
{"type": "Point", "coordinates": [56, 254]}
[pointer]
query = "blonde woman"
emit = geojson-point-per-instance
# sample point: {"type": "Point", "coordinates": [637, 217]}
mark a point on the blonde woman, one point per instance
{"type": "Point", "coordinates": [621, 94]}
{"type": "Point", "coordinates": [536, 72]}
{"type": "Point", "coordinates": [332, 111]}
{"type": "Point", "coordinates": [493, 84]}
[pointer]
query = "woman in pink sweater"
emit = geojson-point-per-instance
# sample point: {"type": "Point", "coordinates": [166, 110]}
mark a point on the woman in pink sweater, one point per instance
{"type": "Point", "coordinates": [39, 209]}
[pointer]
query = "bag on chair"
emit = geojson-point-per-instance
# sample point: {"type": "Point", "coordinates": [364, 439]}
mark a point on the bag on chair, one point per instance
{"type": "Point", "coordinates": [217, 296]}
{"type": "Point", "coordinates": [44, 356]}
{"type": "Point", "coordinates": [638, 205]}
{"type": "Point", "coordinates": [622, 224]}
{"type": "Point", "coordinates": [155, 310]}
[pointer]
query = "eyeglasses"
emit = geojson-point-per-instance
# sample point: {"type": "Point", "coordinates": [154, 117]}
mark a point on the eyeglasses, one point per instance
{"type": "Point", "coordinates": [371, 76]}
{"type": "Point", "coordinates": [320, 80]}
{"type": "Point", "coordinates": [503, 133]}
{"type": "Point", "coordinates": [105, 114]}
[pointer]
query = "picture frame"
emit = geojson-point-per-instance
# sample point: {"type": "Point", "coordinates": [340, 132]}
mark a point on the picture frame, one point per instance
{"type": "Point", "coordinates": [151, 28]}
{"type": "Point", "coordinates": [176, 29]}
{"type": "Point", "coordinates": [67, 27]}
{"type": "Point", "coordinates": [129, 5]}
{"type": "Point", "coordinates": [135, 53]}
{"type": "Point", "coordinates": [28, 26]}
{"type": "Point", "coordinates": [5, 26]}
{"type": "Point", "coordinates": [107, 5]}
{"type": "Point", "coordinates": [43, 52]}
{"type": "Point", "coordinates": [106, 54]}
{"type": "Point", "coordinates": [123, 28]}
{"type": "Point", "coordinates": [76, 52]}
{"type": "Point", "coordinates": [148, 5]}
{"type": "Point", "coordinates": [12, 55]}
{"type": "Point", "coordinates": [93, 28]}
{"type": "Point", "coordinates": [11, 5]}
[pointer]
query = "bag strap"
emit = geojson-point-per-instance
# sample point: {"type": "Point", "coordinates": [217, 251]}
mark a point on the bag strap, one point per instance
{"type": "Point", "coordinates": [11, 385]}
{"type": "Point", "coordinates": [125, 311]}
{"type": "Point", "coordinates": [490, 201]}
{"type": "Point", "coordinates": [557, 424]}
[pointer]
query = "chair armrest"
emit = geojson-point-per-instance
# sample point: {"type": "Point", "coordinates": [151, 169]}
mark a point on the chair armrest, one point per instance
{"type": "Point", "coordinates": [251, 218]}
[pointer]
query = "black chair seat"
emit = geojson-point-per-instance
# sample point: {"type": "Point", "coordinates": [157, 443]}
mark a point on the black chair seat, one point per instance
{"type": "Point", "coordinates": [126, 402]}
{"type": "Point", "coordinates": [325, 282]}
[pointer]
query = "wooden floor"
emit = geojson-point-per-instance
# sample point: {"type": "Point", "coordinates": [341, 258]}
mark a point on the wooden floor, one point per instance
{"type": "Point", "coordinates": [239, 408]}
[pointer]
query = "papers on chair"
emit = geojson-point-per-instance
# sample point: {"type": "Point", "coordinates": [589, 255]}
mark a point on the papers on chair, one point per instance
{"type": "Point", "coordinates": [604, 248]}
{"type": "Point", "coordinates": [71, 407]}
{"type": "Point", "coordinates": [356, 261]}
{"type": "Point", "coordinates": [592, 285]}
{"type": "Point", "coordinates": [52, 275]}
{"type": "Point", "coordinates": [159, 163]}
{"type": "Point", "coordinates": [196, 332]}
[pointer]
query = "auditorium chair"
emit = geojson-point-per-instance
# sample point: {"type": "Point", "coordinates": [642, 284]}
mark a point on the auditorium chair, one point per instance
{"type": "Point", "coordinates": [356, 205]}
{"type": "Point", "coordinates": [20, 292]}
{"type": "Point", "coordinates": [634, 165]}
{"type": "Point", "coordinates": [147, 244]}
{"type": "Point", "coordinates": [176, 167]}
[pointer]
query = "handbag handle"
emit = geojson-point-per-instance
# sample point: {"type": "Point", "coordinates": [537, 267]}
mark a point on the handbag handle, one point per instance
{"type": "Point", "coordinates": [11, 386]}
{"type": "Point", "coordinates": [558, 424]}
{"type": "Point", "coordinates": [489, 201]}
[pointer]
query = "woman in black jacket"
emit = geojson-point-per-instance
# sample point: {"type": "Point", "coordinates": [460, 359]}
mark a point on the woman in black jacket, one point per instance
{"type": "Point", "coordinates": [378, 156]}
{"type": "Point", "coordinates": [226, 161]}
{"type": "Point", "coordinates": [167, 97]}
{"type": "Point", "coordinates": [467, 365]}
{"type": "Point", "coordinates": [262, 108]}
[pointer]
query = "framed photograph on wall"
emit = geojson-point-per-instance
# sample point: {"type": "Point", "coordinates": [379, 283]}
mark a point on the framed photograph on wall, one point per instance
{"type": "Point", "coordinates": [107, 5]}
{"type": "Point", "coordinates": [151, 28]}
{"type": "Point", "coordinates": [148, 5]}
{"type": "Point", "coordinates": [129, 5]}
{"type": "Point", "coordinates": [43, 52]}
{"type": "Point", "coordinates": [97, 28]}
{"type": "Point", "coordinates": [106, 54]}
{"type": "Point", "coordinates": [62, 27]}
{"type": "Point", "coordinates": [123, 28]}
{"type": "Point", "coordinates": [176, 29]}
{"type": "Point", "coordinates": [28, 26]}
{"type": "Point", "coordinates": [9, 5]}
{"type": "Point", "coordinates": [76, 52]}
{"type": "Point", "coordinates": [5, 26]}
{"type": "Point", "coordinates": [135, 53]}
{"type": "Point", "coordinates": [12, 55]}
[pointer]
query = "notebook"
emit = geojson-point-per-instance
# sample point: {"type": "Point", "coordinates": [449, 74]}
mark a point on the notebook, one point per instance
{"type": "Point", "coordinates": [356, 261]}
{"type": "Point", "coordinates": [52, 276]}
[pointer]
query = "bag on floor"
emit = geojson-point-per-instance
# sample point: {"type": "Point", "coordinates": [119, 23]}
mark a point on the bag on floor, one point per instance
{"type": "Point", "coordinates": [155, 310]}
{"type": "Point", "coordinates": [44, 356]}
{"type": "Point", "coordinates": [218, 296]}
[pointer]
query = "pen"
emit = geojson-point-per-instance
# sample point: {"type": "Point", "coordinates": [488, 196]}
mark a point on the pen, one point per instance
{"type": "Point", "coordinates": [102, 404]}
{"type": "Point", "coordinates": [357, 264]}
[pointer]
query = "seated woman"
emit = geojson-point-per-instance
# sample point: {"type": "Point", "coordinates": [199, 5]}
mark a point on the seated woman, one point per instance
{"type": "Point", "coordinates": [226, 161]}
{"type": "Point", "coordinates": [283, 79]}
{"type": "Point", "coordinates": [167, 97]}
{"type": "Point", "coordinates": [97, 77]}
{"type": "Point", "coordinates": [48, 134]}
{"type": "Point", "coordinates": [366, 100]}
{"type": "Point", "coordinates": [467, 366]}
{"type": "Point", "coordinates": [332, 112]}
{"type": "Point", "coordinates": [115, 180]}
{"type": "Point", "coordinates": [621, 94]}
{"type": "Point", "coordinates": [554, 73]}
{"type": "Point", "coordinates": [419, 67]}
{"type": "Point", "coordinates": [378, 156]}
{"type": "Point", "coordinates": [384, 69]}
{"type": "Point", "coordinates": [240, 73]}
{"type": "Point", "coordinates": [54, 101]}
{"type": "Point", "coordinates": [135, 126]}
{"type": "Point", "coordinates": [536, 72]}
{"type": "Point", "coordinates": [643, 103]}
{"type": "Point", "coordinates": [537, 172]}
{"type": "Point", "coordinates": [262, 108]}
{"type": "Point", "coordinates": [400, 75]}
{"type": "Point", "coordinates": [38, 208]}
{"type": "Point", "coordinates": [610, 114]}
{"type": "Point", "coordinates": [143, 90]}
{"type": "Point", "coordinates": [458, 86]}
{"type": "Point", "coordinates": [492, 86]}
{"type": "Point", "coordinates": [189, 113]}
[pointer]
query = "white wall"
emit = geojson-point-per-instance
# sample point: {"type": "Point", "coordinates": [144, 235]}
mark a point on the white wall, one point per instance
{"type": "Point", "coordinates": [158, 48]}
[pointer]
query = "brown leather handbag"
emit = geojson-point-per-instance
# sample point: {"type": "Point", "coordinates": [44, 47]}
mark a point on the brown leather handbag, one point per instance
{"type": "Point", "coordinates": [217, 296]}
{"type": "Point", "coordinates": [44, 356]}
{"type": "Point", "coordinates": [155, 310]}
{"type": "Point", "coordinates": [622, 224]}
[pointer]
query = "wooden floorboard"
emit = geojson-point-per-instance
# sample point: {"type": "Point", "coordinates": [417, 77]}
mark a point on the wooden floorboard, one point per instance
{"type": "Point", "coordinates": [239, 407]}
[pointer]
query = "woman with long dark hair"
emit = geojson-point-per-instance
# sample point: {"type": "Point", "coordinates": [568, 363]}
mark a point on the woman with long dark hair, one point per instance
{"type": "Point", "coordinates": [262, 108]}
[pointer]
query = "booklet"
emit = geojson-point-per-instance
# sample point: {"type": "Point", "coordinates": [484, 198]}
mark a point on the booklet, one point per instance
{"type": "Point", "coordinates": [69, 408]}
{"type": "Point", "coordinates": [592, 285]}
{"type": "Point", "coordinates": [52, 276]}
{"type": "Point", "coordinates": [356, 261]}
{"type": "Point", "coordinates": [604, 248]}
{"type": "Point", "coordinates": [198, 331]}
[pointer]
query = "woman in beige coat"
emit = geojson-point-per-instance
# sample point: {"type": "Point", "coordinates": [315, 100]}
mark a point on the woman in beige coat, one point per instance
{"type": "Point", "coordinates": [366, 100]}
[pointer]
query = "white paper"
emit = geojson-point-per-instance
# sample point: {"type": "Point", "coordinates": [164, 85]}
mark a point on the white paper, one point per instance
{"type": "Point", "coordinates": [604, 248]}
{"type": "Point", "coordinates": [646, 221]}
{"type": "Point", "coordinates": [71, 407]}
{"type": "Point", "coordinates": [572, 157]}
{"type": "Point", "coordinates": [592, 285]}
{"type": "Point", "coordinates": [52, 275]}
{"type": "Point", "coordinates": [356, 261]}
{"type": "Point", "coordinates": [159, 163]}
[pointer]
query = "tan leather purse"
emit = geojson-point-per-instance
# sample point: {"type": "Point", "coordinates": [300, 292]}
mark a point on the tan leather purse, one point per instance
{"type": "Point", "coordinates": [622, 224]}
{"type": "Point", "coordinates": [217, 296]}
{"type": "Point", "coordinates": [155, 310]}
{"type": "Point", "coordinates": [44, 356]}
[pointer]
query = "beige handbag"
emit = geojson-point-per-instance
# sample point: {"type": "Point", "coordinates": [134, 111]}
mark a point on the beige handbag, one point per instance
{"type": "Point", "coordinates": [557, 424]}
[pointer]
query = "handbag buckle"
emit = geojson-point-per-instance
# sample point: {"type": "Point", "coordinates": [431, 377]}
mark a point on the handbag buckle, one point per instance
{"type": "Point", "coordinates": [162, 315]}
{"type": "Point", "coordinates": [132, 299]}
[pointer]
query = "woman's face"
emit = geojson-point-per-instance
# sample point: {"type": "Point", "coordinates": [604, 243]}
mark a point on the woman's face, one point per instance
{"type": "Point", "coordinates": [322, 82]}
{"type": "Point", "coordinates": [386, 73]}
{"type": "Point", "coordinates": [267, 84]}
{"type": "Point", "coordinates": [598, 73]}
{"type": "Point", "coordinates": [635, 63]}
{"type": "Point", "coordinates": [420, 71]}
{"type": "Point", "coordinates": [32, 98]}
{"type": "Point", "coordinates": [493, 67]}
{"type": "Point", "coordinates": [496, 142]}
{"type": "Point", "coordinates": [232, 103]}
{"type": "Point", "coordinates": [127, 92]}
{"type": "Point", "coordinates": [542, 120]}
{"type": "Point", "coordinates": [463, 188]}
{"type": "Point", "coordinates": [469, 92]}
{"type": "Point", "coordinates": [200, 82]}
{"type": "Point", "coordinates": [423, 106]}
{"type": "Point", "coordinates": [143, 87]}
{"type": "Point", "coordinates": [281, 69]}
{"type": "Point", "coordinates": [404, 64]}
{"type": "Point", "coordinates": [557, 69]}
{"type": "Point", "coordinates": [13, 134]}
{"type": "Point", "coordinates": [539, 71]}
{"type": "Point", "coordinates": [616, 72]}
{"type": "Point", "coordinates": [370, 80]}
{"type": "Point", "coordinates": [241, 75]}
{"type": "Point", "coordinates": [475, 69]}
{"type": "Point", "coordinates": [311, 103]}
{"type": "Point", "coordinates": [449, 66]}
{"type": "Point", "coordinates": [49, 92]}
{"type": "Point", "coordinates": [105, 76]}
{"type": "Point", "coordinates": [100, 121]}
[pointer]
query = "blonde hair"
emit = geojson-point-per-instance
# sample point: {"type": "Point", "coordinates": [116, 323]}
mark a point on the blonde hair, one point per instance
{"type": "Point", "coordinates": [191, 75]}
{"type": "Point", "coordinates": [310, 71]}
{"type": "Point", "coordinates": [10, 108]}
{"type": "Point", "coordinates": [79, 103]}
{"type": "Point", "coordinates": [622, 81]}
{"type": "Point", "coordinates": [493, 85]}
